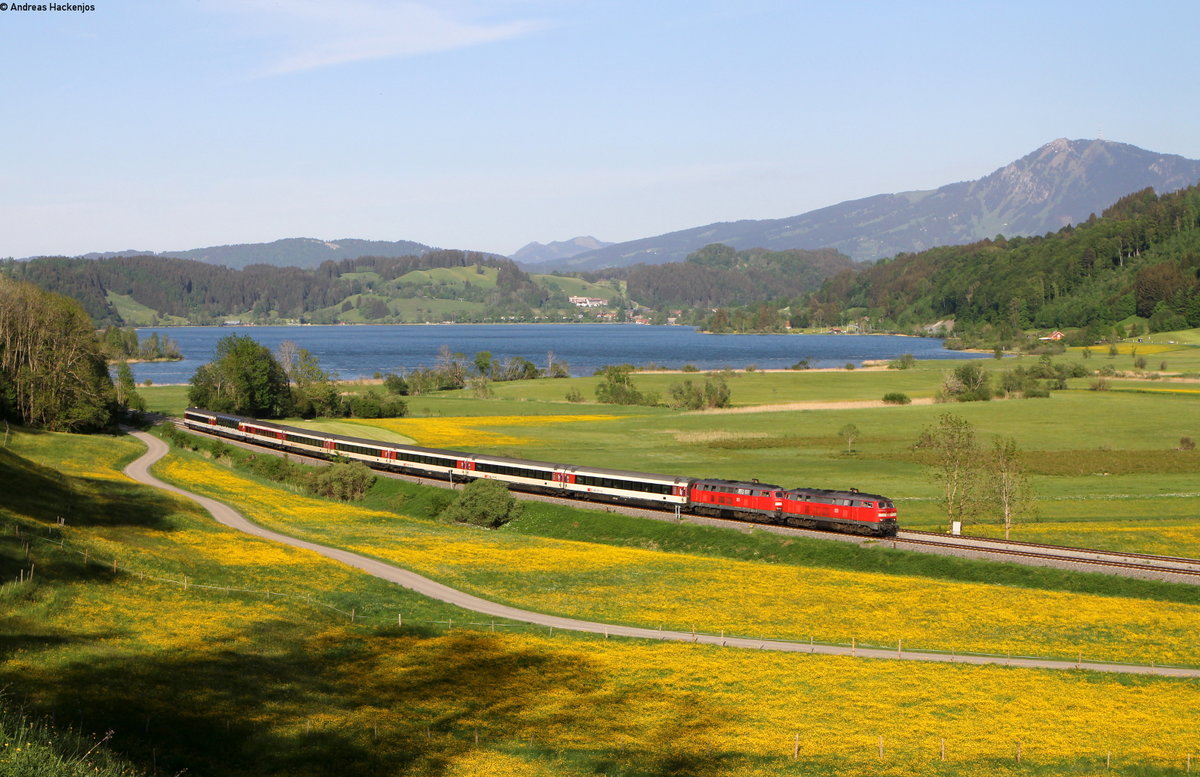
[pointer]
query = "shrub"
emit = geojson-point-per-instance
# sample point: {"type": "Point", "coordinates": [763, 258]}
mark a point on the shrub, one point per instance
{"type": "Point", "coordinates": [1187, 444]}
{"type": "Point", "coordinates": [394, 384]}
{"type": "Point", "coordinates": [574, 394]}
{"type": "Point", "coordinates": [896, 398]}
{"type": "Point", "coordinates": [373, 405]}
{"type": "Point", "coordinates": [485, 503]}
{"type": "Point", "coordinates": [906, 362]}
{"type": "Point", "coordinates": [347, 481]}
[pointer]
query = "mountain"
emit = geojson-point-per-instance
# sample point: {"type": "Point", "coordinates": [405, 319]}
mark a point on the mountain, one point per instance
{"type": "Point", "coordinates": [1061, 183]}
{"type": "Point", "coordinates": [303, 252]}
{"type": "Point", "coordinates": [535, 253]}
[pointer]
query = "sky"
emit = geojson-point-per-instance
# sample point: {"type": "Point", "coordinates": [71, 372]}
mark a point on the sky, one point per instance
{"type": "Point", "coordinates": [487, 124]}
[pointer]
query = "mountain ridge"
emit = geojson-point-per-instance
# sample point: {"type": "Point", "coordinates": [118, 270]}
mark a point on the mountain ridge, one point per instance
{"type": "Point", "coordinates": [1062, 182]}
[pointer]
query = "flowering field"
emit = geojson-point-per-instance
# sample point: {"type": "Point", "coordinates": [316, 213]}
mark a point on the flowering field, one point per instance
{"type": "Point", "coordinates": [470, 431]}
{"type": "Point", "coordinates": [236, 685]}
{"type": "Point", "coordinates": [650, 588]}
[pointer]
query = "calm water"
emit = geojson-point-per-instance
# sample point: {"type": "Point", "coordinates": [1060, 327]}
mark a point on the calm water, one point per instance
{"type": "Point", "coordinates": [361, 351]}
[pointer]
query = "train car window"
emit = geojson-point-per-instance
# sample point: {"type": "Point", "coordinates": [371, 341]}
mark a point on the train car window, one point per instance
{"type": "Point", "coordinates": [516, 472]}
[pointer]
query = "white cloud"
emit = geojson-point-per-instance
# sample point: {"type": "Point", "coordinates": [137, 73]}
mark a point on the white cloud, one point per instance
{"type": "Point", "coordinates": [322, 33]}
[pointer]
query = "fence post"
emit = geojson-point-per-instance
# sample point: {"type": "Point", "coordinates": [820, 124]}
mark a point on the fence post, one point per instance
{"type": "Point", "coordinates": [1018, 752]}
{"type": "Point", "coordinates": [796, 747]}
{"type": "Point", "coordinates": [881, 747]}
{"type": "Point", "coordinates": [943, 748]}
{"type": "Point", "coordinates": [400, 620]}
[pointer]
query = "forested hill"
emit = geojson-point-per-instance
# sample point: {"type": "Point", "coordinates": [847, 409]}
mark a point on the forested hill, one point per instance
{"type": "Point", "coordinates": [1141, 258]}
{"type": "Point", "coordinates": [290, 252]}
{"type": "Point", "coordinates": [717, 275]}
{"type": "Point", "coordinates": [140, 290]}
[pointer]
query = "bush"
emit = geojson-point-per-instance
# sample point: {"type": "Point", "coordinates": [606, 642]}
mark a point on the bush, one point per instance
{"type": "Point", "coordinates": [618, 389]}
{"type": "Point", "coordinates": [373, 405]}
{"type": "Point", "coordinates": [896, 398]}
{"type": "Point", "coordinates": [906, 362]}
{"type": "Point", "coordinates": [574, 394]}
{"type": "Point", "coordinates": [394, 384]}
{"type": "Point", "coordinates": [347, 481]}
{"type": "Point", "coordinates": [1187, 444]}
{"type": "Point", "coordinates": [689, 396]}
{"type": "Point", "coordinates": [485, 503]}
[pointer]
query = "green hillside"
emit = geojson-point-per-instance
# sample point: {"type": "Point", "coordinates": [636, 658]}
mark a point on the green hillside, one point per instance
{"type": "Point", "coordinates": [433, 287]}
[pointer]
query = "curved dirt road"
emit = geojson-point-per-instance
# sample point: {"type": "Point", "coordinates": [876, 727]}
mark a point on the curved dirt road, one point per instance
{"type": "Point", "coordinates": [226, 515]}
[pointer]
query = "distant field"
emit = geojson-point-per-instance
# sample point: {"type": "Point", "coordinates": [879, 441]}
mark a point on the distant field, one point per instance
{"type": "Point", "coordinates": [1097, 458]}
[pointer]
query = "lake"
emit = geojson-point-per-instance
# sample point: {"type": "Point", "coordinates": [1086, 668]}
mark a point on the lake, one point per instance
{"type": "Point", "coordinates": [361, 351]}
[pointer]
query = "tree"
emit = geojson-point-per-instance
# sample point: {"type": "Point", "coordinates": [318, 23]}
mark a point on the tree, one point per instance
{"type": "Point", "coordinates": [127, 395]}
{"type": "Point", "coordinates": [617, 389]}
{"type": "Point", "coordinates": [1007, 482]}
{"type": "Point", "coordinates": [485, 503]}
{"type": "Point", "coordinates": [849, 433]}
{"type": "Point", "coordinates": [52, 371]}
{"type": "Point", "coordinates": [955, 454]}
{"type": "Point", "coordinates": [314, 392]}
{"type": "Point", "coordinates": [243, 379]}
{"type": "Point", "coordinates": [967, 383]}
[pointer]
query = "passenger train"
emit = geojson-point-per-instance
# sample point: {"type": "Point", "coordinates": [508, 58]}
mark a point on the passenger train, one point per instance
{"type": "Point", "coordinates": [848, 511]}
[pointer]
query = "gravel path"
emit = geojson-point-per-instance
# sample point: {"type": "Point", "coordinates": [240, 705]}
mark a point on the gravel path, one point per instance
{"type": "Point", "coordinates": [226, 515]}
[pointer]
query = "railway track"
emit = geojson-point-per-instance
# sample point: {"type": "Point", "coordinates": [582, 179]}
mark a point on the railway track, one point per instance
{"type": "Point", "coordinates": [1136, 565]}
{"type": "Point", "coordinates": [1172, 568]}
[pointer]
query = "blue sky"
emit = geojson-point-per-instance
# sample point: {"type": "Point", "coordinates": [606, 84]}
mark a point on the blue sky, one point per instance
{"type": "Point", "coordinates": [487, 124]}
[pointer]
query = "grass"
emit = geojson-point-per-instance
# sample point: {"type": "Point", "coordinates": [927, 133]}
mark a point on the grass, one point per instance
{"type": "Point", "coordinates": [1095, 456]}
{"type": "Point", "coordinates": [607, 583]}
{"type": "Point", "coordinates": [237, 685]}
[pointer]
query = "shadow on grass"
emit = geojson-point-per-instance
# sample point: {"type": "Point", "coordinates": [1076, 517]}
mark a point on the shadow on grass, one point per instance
{"type": "Point", "coordinates": [45, 494]}
{"type": "Point", "coordinates": [348, 703]}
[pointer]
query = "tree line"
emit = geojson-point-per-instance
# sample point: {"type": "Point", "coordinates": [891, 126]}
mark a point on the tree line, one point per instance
{"type": "Point", "coordinates": [202, 293]}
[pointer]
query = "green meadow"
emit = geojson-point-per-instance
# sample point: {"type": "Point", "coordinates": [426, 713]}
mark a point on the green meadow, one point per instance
{"type": "Point", "coordinates": [1105, 465]}
{"type": "Point", "coordinates": [221, 654]}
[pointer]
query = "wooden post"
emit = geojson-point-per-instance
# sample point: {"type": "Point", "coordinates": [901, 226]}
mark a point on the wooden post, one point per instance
{"type": "Point", "coordinates": [943, 748]}
{"type": "Point", "coordinates": [353, 611]}
{"type": "Point", "coordinates": [796, 747]}
{"type": "Point", "coordinates": [881, 747]}
{"type": "Point", "coordinates": [400, 620]}
{"type": "Point", "coordinates": [1108, 760]}
{"type": "Point", "coordinates": [899, 651]}
{"type": "Point", "coordinates": [853, 647]}
{"type": "Point", "coordinates": [114, 566]}
{"type": "Point", "coordinates": [1018, 752]}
